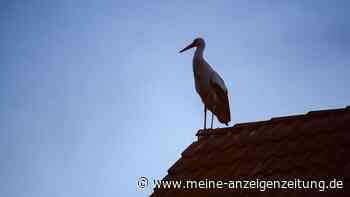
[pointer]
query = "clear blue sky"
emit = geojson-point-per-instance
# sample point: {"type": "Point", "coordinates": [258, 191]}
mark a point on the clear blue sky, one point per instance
{"type": "Point", "coordinates": [93, 94]}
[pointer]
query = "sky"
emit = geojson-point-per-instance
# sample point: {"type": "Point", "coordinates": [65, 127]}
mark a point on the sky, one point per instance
{"type": "Point", "coordinates": [93, 94]}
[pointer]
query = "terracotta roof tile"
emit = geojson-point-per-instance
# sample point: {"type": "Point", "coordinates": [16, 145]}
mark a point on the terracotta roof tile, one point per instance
{"type": "Point", "coordinates": [346, 171]}
{"type": "Point", "coordinates": [191, 150]}
{"type": "Point", "coordinates": [314, 145]}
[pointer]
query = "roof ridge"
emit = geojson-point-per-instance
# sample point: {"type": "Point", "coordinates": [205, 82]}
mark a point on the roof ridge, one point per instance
{"type": "Point", "coordinates": [224, 130]}
{"type": "Point", "coordinates": [327, 111]}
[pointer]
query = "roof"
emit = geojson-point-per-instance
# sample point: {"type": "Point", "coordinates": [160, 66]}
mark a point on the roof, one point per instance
{"type": "Point", "coordinates": [315, 145]}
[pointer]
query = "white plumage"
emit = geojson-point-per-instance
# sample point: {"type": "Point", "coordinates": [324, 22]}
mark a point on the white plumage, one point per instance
{"type": "Point", "coordinates": [209, 85]}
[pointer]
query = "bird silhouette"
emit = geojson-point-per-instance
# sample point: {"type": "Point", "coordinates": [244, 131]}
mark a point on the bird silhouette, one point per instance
{"type": "Point", "coordinates": [209, 85]}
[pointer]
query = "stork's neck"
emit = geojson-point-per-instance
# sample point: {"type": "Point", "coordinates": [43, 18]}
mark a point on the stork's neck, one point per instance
{"type": "Point", "coordinates": [198, 61]}
{"type": "Point", "coordinates": [198, 54]}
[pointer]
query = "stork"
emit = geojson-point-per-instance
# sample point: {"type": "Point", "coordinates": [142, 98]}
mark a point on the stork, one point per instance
{"type": "Point", "coordinates": [209, 85]}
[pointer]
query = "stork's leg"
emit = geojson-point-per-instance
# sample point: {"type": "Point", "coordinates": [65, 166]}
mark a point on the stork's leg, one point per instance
{"type": "Point", "coordinates": [212, 116]}
{"type": "Point", "coordinates": [205, 118]}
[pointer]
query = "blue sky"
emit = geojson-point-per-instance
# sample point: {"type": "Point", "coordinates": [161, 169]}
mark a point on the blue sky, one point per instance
{"type": "Point", "coordinates": [94, 94]}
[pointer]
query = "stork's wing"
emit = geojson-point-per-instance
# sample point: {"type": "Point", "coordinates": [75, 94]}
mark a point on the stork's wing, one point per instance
{"type": "Point", "coordinates": [222, 107]}
{"type": "Point", "coordinates": [216, 80]}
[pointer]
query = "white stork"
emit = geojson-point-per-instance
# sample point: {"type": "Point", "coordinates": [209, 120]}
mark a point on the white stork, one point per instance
{"type": "Point", "coordinates": [209, 85]}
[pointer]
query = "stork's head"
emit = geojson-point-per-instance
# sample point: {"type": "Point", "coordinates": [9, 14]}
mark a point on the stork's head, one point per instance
{"type": "Point", "coordinates": [198, 42]}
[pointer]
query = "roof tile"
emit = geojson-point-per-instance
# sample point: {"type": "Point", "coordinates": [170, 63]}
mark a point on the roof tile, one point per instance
{"type": "Point", "coordinates": [316, 145]}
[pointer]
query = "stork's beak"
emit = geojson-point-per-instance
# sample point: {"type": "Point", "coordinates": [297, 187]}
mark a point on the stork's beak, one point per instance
{"type": "Point", "coordinates": [188, 47]}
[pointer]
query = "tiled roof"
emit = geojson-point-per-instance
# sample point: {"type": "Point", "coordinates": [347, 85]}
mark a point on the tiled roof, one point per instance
{"type": "Point", "coordinates": [315, 145]}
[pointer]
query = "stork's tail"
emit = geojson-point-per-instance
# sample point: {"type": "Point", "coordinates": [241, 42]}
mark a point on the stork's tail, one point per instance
{"type": "Point", "coordinates": [222, 110]}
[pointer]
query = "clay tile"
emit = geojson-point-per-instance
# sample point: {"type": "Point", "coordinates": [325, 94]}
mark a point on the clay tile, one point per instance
{"type": "Point", "coordinates": [232, 155]}
{"type": "Point", "coordinates": [342, 138]}
{"type": "Point", "coordinates": [250, 124]}
{"type": "Point", "coordinates": [263, 133]}
{"type": "Point", "coordinates": [246, 136]}
{"type": "Point", "coordinates": [217, 141]}
{"type": "Point", "coordinates": [258, 167]}
{"type": "Point", "coordinates": [232, 140]}
{"type": "Point", "coordinates": [179, 166]}
{"type": "Point", "coordinates": [346, 171]}
{"type": "Point", "coordinates": [266, 151]}
{"type": "Point", "coordinates": [225, 141]}
{"type": "Point", "coordinates": [290, 129]}
{"type": "Point", "coordinates": [199, 174]}
{"type": "Point", "coordinates": [267, 166]}
{"type": "Point", "coordinates": [301, 160]}
{"type": "Point", "coordinates": [326, 112]}
{"type": "Point", "coordinates": [191, 150]}
{"type": "Point", "coordinates": [319, 158]}
{"type": "Point", "coordinates": [342, 122]}
{"type": "Point", "coordinates": [313, 145]}
{"type": "Point", "coordinates": [308, 127]}
{"type": "Point", "coordinates": [203, 146]}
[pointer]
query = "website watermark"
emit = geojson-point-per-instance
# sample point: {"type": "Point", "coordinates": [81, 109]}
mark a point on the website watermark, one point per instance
{"type": "Point", "coordinates": [254, 184]}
